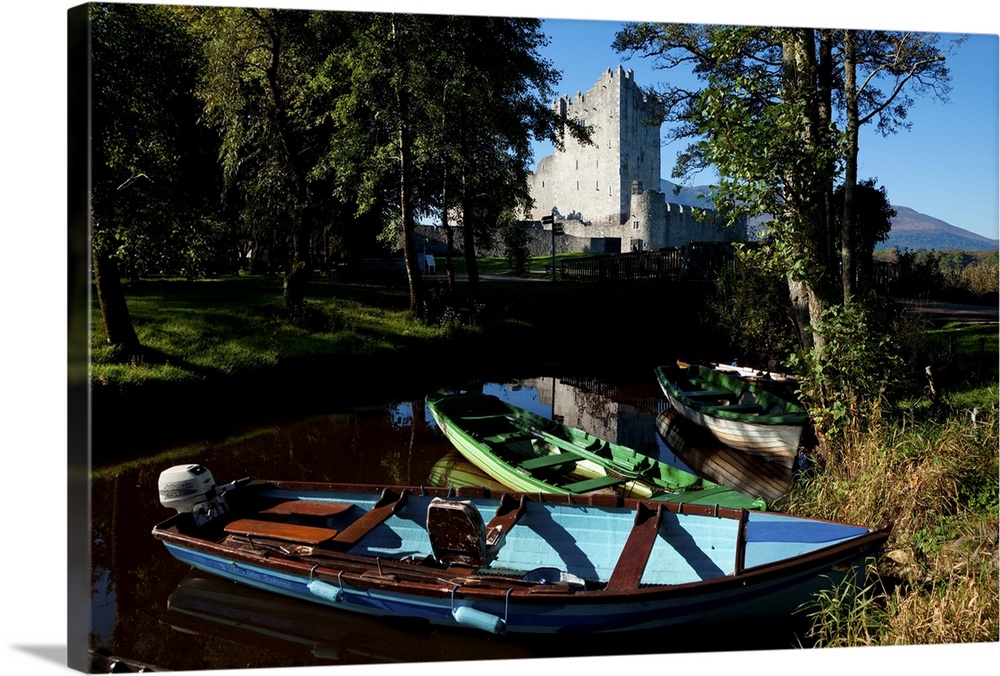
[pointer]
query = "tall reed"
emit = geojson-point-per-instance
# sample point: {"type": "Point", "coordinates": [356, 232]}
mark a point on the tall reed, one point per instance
{"type": "Point", "coordinates": [937, 481]}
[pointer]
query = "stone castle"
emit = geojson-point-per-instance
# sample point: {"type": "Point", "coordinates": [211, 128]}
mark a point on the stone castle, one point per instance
{"type": "Point", "coordinates": [606, 195]}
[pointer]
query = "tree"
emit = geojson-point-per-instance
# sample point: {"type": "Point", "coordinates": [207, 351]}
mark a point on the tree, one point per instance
{"type": "Point", "coordinates": [492, 114]}
{"type": "Point", "coordinates": [265, 92]}
{"type": "Point", "coordinates": [766, 118]}
{"type": "Point", "coordinates": [762, 119]}
{"type": "Point", "coordinates": [146, 173]}
{"type": "Point", "coordinates": [891, 64]}
{"type": "Point", "coordinates": [872, 216]}
{"type": "Point", "coordinates": [446, 105]}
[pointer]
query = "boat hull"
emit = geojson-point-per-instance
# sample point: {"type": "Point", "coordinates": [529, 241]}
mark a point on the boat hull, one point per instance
{"type": "Point", "coordinates": [762, 599]}
{"type": "Point", "coordinates": [703, 565]}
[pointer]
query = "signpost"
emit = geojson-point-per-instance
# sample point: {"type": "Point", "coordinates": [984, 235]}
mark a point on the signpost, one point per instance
{"type": "Point", "coordinates": [556, 230]}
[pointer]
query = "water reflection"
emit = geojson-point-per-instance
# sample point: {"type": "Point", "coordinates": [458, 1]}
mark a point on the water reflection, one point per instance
{"type": "Point", "coordinates": [148, 608]}
{"type": "Point", "coordinates": [311, 634]}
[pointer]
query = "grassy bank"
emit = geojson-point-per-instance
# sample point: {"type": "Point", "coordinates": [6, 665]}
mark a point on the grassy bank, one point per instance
{"type": "Point", "coordinates": [929, 466]}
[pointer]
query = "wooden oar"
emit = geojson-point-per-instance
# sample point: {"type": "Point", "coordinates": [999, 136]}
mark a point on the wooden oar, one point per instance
{"type": "Point", "coordinates": [567, 445]}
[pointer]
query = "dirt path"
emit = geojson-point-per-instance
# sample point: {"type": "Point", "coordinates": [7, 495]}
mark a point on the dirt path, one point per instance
{"type": "Point", "coordinates": [975, 314]}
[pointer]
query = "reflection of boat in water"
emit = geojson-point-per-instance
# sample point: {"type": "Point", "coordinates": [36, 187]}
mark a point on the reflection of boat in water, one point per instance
{"type": "Point", "coordinates": [206, 605]}
{"type": "Point", "coordinates": [454, 470]}
{"type": "Point", "coordinates": [751, 475]}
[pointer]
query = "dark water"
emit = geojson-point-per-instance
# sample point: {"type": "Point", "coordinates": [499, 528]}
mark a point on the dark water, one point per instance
{"type": "Point", "coordinates": [148, 607]}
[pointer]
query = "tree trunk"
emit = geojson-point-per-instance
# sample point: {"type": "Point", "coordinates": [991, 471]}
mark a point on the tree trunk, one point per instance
{"type": "Point", "coordinates": [847, 228]}
{"type": "Point", "coordinates": [294, 288]}
{"type": "Point", "coordinates": [413, 273]}
{"type": "Point", "coordinates": [469, 242]}
{"type": "Point", "coordinates": [449, 235]}
{"type": "Point", "coordinates": [807, 192]}
{"type": "Point", "coordinates": [114, 308]}
{"type": "Point", "coordinates": [404, 158]}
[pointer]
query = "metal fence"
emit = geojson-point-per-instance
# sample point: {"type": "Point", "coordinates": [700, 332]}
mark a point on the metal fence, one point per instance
{"type": "Point", "coordinates": [696, 262]}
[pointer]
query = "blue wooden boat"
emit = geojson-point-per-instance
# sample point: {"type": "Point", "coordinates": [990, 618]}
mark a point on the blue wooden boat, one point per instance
{"type": "Point", "coordinates": [471, 558]}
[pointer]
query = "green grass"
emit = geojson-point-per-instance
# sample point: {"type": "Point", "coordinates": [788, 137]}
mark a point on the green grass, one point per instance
{"type": "Point", "coordinates": [499, 266]}
{"type": "Point", "coordinates": [209, 328]}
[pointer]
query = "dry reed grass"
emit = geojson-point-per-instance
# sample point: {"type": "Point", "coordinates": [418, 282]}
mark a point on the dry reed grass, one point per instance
{"type": "Point", "coordinates": [937, 581]}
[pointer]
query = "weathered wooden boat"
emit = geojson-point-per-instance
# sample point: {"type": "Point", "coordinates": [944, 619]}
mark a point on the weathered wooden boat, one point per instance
{"type": "Point", "coordinates": [529, 453]}
{"type": "Point", "coordinates": [739, 414]}
{"type": "Point", "coordinates": [697, 448]}
{"type": "Point", "coordinates": [507, 563]}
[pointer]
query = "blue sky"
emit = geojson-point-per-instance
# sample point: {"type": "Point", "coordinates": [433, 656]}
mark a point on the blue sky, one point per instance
{"type": "Point", "coordinates": [945, 166]}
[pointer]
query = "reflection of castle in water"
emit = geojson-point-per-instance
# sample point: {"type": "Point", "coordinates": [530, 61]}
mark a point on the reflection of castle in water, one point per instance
{"type": "Point", "coordinates": [619, 414]}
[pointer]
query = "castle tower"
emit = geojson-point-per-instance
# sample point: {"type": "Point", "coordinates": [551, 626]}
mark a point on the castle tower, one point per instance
{"type": "Point", "coordinates": [594, 183]}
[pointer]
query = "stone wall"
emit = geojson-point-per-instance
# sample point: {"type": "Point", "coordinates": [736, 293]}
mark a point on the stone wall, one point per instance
{"type": "Point", "coordinates": [594, 180]}
{"type": "Point", "coordinates": [433, 240]}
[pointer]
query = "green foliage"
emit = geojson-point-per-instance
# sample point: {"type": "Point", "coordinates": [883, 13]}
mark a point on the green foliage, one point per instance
{"type": "Point", "coordinates": [154, 182]}
{"type": "Point", "coordinates": [749, 303]}
{"type": "Point", "coordinates": [918, 274]}
{"type": "Point", "coordinates": [851, 613]}
{"type": "Point", "coordinates": [842, 382]}
{"type": "Point", "coordinates": [515, 242]}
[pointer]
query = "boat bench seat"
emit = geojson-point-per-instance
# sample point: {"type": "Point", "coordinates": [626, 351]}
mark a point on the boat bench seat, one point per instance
{"type": "Point", "coordinates": [309, 535]}
{"type": "Point", "coordinates": [741, 408]}
{"type": "Point", "coordinates": [388, 504]}
{"type": "Point", "coordinates": [319, 508]}
{"type": "Point", "coordinates": [550, 460]}
{"type": "Point", "coordinates": [592, 484]}
{"type": "Point", "coordinates": [505, 438]}
{"type": "Point", "coordinates": [631, 564]}
{"type": "Point", "coordinates": [705, 394]}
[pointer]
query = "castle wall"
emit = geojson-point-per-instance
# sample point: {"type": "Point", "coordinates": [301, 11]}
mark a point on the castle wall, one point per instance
{"type": "Point", "coordinates": [594, 181]}
{"type": "Point", "coordinates": [605, 194]}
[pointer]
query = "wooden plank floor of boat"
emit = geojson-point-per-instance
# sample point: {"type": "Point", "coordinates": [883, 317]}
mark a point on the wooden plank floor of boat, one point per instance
{"type": "Point", "coordinates": [309, 535]}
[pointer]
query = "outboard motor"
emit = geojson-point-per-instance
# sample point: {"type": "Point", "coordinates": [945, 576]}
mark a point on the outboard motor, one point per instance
{"type": "Point", "coordinates": [191, 489]}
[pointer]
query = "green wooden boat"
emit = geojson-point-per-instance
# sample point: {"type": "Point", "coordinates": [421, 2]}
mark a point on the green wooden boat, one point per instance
{"type": "Point", "coordinates": [532, 454]}
{"type": "Point", "coordinates": [738, 413]}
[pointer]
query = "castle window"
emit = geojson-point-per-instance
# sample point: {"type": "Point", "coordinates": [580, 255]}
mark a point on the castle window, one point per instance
{"type": "Point", "coordinates": [635, 225]}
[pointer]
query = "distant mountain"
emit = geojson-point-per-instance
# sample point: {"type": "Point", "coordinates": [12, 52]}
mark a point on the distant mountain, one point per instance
{"type": "Point", "coordinates": [687, 195]}
{"type": "Point", "coordinates": [911, 230]}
